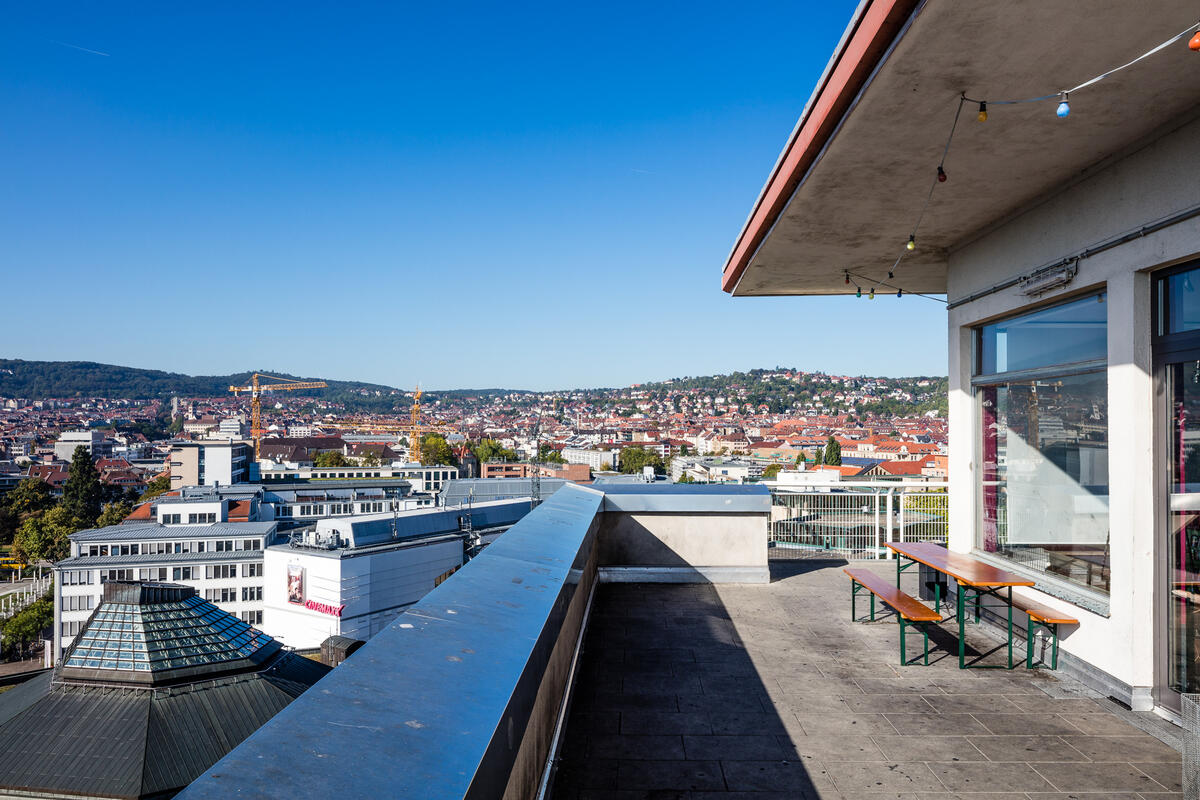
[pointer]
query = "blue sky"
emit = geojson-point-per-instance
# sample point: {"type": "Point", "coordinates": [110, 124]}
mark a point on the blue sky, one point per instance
{"type": "Point", "coordinates": [465, 195]}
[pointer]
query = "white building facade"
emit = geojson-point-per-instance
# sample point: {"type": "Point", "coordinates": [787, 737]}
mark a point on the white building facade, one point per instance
{"type": "Point", "coordinates": [353, 576]}
{"type": "Point", "coordinates": [189, 543]}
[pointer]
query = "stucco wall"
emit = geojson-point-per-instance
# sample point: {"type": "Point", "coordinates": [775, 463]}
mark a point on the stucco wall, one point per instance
{"type": "Point", "coordinates": [688, 543]}
{"type": "Point", "coordinates": [1145, 184]}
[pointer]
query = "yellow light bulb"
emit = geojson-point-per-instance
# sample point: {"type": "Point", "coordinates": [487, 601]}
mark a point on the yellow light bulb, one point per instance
{"type": "Point", "coordinates": [912, 243]}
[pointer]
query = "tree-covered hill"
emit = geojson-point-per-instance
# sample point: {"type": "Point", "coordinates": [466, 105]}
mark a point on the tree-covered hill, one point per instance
{"type": "Point", "coordinates": [63, 379]}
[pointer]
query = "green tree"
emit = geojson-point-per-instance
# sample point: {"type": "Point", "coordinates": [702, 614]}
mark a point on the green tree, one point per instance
{"type": "Point", "coordinates": [800, 458]}
{"type": "Point", "coordinates": [491, 450]}
{"type": "Point", "coordinates": [43, 537]}
{"type": "Point", "coordinates": [819, 457]}
{"type": "Point", "coordinates": [633, 459]}
{"type": "Point", "coordinates": [330, 458]}
{"type": "Point", "coordinates": [435, 450]}
{"type": "Point", "coordinates": [29, 497]}
{"type": "Point", "coordinates": [371, 459]}
{"type": "Point", "coordinates": [160, 485]}
{"type": "Point", "coordinates": [548, 455]}
{"type": "Point", "coordinates": [684, 450]}
{"type": "Point", "coordinates": [833, 452]}
{"type": "Point", "coordinates": [114, 513]}
{"type": "Point", "coordinates": [25, 627]}
{"type": "Point", "coordinates": [686, 478]}
{"type": "Point", "coordinates": [83, 492]}
{"type": "Point", "coordinates": [8, 525]}
{"type": "Point", "coordinates": [771, 472]}
{"type": "Point", "coordinates": [605, 466]}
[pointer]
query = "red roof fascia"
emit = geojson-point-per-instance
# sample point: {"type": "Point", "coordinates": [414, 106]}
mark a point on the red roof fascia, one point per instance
{"type": "Point", "coordinates": [863, 47]}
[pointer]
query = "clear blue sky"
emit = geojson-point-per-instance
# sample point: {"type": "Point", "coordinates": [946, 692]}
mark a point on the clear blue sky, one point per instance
{"type": "Point", "coordinates": [464, 195]}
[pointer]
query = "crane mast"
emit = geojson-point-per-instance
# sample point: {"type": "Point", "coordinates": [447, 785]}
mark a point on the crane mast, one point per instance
{"type": "Point", "coordinates": [256, 388]}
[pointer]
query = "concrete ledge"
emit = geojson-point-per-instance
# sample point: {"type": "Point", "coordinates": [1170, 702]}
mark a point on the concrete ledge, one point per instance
{"type": "Point", "coordinates": [684, 575]}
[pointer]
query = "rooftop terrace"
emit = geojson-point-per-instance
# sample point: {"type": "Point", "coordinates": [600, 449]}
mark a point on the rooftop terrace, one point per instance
{"type": "Point", "coordinates": [771, 691]}
{"type": "Point", "coordinates": [733, 688]}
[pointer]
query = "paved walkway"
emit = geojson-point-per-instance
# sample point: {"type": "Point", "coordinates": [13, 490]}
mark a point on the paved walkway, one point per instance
{"type": "Point", "coordinates": [772, 692]}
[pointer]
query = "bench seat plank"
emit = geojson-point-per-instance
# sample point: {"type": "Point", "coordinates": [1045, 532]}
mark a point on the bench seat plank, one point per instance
{"type": "Point", "coordinates": [1043, 613]}
{"type": "Point", "coordinates": [906, 605]}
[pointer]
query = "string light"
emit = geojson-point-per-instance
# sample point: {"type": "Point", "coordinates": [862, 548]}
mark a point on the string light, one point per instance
{"type": "Point", "coordinates": [871, 296]}
{"type": "Point", "coordinates": [1064, 108]}
{"type": "Point", "coordinates": [859, 292]}
{"type": "Point", "coordinates": [847, 278]}
{"type": "Point", "coordinates": [899, 293]}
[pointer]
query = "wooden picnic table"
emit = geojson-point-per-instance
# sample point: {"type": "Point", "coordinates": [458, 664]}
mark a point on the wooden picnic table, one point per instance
{"type": "Point", "coordinates": [970, 574]}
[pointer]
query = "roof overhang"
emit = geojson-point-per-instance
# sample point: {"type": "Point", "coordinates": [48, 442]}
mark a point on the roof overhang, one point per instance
{"type": "Point", "coordinates": [856, 171]}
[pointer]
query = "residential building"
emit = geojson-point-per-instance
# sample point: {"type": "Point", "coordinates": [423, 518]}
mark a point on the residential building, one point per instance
{"type": "Point", "coordinates": [210, 463]}
{"type": "Point", "coordinates": [93, 441]}
{"type": "Point", "coordinates": [597, 460]}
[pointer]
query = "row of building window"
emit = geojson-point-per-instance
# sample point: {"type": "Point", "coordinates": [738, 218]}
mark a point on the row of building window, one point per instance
{"type": "Point", "coordinates": [160, 548]}
{"type": "Point", "coordinates": [70, 628]}
{"type": "Point", "coordinates": [250, 594]}
{"type": "Point", "coordinates": [217, 571]}
{"type": "Point", "coordinates": [332, 509]}
{"type": "Point", "coordinates": [192, 519]}
{"type": "Point", "coordinates": [252, 617]}
{"type": "Point", "coordinates": [75, 577]}
{"type": "Point", "coordinates": [78, 602]}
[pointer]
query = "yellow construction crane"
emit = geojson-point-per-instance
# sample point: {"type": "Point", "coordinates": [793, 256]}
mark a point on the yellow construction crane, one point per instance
{"type": "Point", "coordinates": [257, 387]}
{"type": "Point", "coordinates": [414, 429]}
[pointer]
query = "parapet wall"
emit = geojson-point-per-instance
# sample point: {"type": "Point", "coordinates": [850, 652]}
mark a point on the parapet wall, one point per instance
{"type": "Point", "coordinates": [462, 696]}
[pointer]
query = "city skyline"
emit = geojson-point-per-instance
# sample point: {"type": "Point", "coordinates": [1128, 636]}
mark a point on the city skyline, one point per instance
{"type": "Point", "coordinates": [361, 180]}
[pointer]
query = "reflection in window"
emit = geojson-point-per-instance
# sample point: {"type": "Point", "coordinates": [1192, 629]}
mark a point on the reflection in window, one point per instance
{"type": "Point", "coordinates": [1044, 476]}
{"type": "Point", "coordinates": [1062, 334]}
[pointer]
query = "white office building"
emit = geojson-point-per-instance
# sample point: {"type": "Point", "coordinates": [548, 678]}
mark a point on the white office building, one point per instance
{"type": "Point", "coordinates": [351, 577]}
{"type": "Point", "coordinates": [94, 441]}
{"type": "Point", "coordinates": [189, 541]}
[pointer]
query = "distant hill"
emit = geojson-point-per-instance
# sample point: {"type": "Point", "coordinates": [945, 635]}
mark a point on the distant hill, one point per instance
{"type": "Point", "coordinates": [62, 379]}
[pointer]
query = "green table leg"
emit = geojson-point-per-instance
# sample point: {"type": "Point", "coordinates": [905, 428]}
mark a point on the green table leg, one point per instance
{"type": "Point", "coordinates": [1010, 629]}
{"type": "Point", "coordinates": [962, 629]}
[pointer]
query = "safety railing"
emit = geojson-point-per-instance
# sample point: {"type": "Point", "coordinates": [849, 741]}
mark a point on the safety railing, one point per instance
{"type": "Point", "coordinates": [854, 520]}
{"type": "Point", "coordinates": [19, 599]}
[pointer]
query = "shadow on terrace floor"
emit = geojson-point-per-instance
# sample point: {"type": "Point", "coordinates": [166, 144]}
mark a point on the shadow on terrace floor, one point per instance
{"type": "Point", "coordinates": [771, 692]}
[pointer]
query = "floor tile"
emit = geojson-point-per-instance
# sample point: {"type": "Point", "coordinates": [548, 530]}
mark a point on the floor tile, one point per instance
{"type": "Point", "coordinates": [1096, 777]}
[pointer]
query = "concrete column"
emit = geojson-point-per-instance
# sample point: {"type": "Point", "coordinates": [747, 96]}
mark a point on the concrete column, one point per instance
{"type": "Point", "coordinates": [964, 440]}
{"type": "Point", "coordinates": [1133, 530]}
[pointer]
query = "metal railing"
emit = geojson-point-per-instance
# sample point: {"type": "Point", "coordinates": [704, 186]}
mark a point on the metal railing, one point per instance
{"type": "Point", "coordinates": [854, 520]}
{"type": "Point", "coordinates": [21, 598]}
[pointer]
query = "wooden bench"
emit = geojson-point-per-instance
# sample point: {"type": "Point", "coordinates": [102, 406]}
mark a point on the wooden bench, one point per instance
{"type": "Point", "coordinates": [910, 611]}
{"type": "Point", "coordinates": [1041, 618]}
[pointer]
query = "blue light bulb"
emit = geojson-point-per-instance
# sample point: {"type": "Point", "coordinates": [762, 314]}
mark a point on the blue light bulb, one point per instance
{"type": "Point", "coordinates": [1064, 108]}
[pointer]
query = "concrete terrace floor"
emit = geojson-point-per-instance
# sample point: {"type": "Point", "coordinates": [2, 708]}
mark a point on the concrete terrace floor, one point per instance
{"type": "Point", "coordinates": [772, 692]}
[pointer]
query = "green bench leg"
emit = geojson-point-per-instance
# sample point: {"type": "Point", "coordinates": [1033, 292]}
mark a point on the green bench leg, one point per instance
{"type": "Point", "coordinates": [1031, 629]}
{"type": "Point", "coordinates": [924, 629]}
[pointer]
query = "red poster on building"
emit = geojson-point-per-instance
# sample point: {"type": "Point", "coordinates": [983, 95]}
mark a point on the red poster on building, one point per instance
{"type": "Point", "coordinates": [295, 584]}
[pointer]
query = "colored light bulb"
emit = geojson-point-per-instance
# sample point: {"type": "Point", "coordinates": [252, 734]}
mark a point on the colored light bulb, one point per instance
{"type": "Point", "coordinates": [899, 293]}
{"type": "Point", "coordinates": [847, 278]}
{"type": "Point", "coordinates": [941, 174]}
{"type": "Point", "coordinates": [871, 296]}
{"type": "Point", "coordinates": [859, 292]}
{"type": "Point", "coordinates": [1194, 44]}
{"type": "Point", "coordinates": [890, 275]}
{"type": "Point", "coordinates": [1064, 108]}
{"type": "Point", "coordinates": [912, 242]}
{"type": "Point", "coordinates": [982, 112]}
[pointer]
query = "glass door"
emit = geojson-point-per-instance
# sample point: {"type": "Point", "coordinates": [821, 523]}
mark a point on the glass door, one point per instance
{"type": "Point", "coordinates": [1182, 383]}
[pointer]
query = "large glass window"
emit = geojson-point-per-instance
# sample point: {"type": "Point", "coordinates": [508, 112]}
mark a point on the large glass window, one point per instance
{"type": "Point", "coordinates": [1044, 458]}
{"type": "Point", "coordinates": [1065, 334]}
